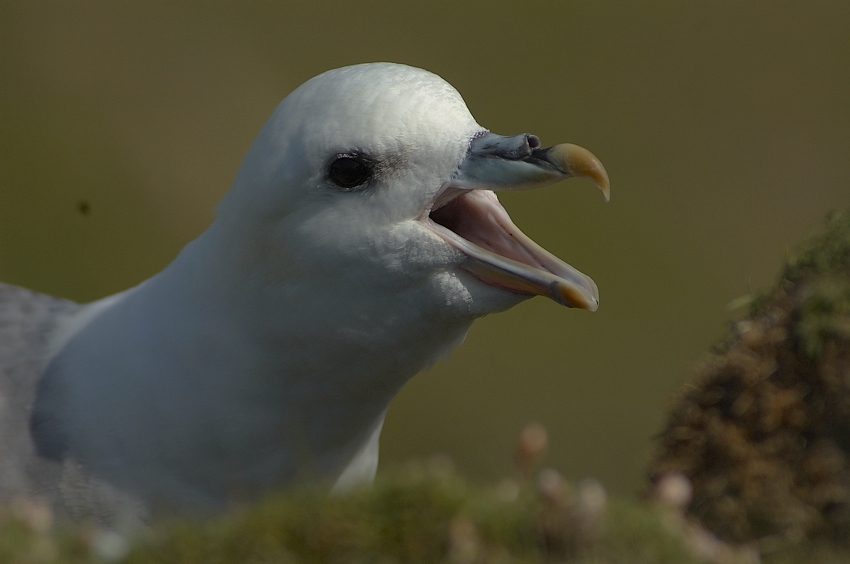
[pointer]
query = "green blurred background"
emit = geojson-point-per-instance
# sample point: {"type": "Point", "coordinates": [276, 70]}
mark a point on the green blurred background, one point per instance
{"type": "Point", "coordinates": [725, 127]}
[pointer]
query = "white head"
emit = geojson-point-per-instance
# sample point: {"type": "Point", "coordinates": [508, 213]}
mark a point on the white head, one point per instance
{"type": "Point", "coordinates": [339, 185]}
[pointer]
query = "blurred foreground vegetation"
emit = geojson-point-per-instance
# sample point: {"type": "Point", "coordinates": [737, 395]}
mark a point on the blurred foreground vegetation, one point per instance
{"type": "Point", "coordinates": [424, 513]}
{"type": "Point", "coordinates": [753, 466]}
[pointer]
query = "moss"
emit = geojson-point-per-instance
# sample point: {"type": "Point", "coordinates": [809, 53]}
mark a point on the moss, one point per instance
{"type": "Point", "coordinates": [821, 276]}
{"type": "Point", "coordinates": [763, 431]}
{"type": "Point", "coordinates": [423, 518]}
{"type": "Point", "coordinates": [418, 515]}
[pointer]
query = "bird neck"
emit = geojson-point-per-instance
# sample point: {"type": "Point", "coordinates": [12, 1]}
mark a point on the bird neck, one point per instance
{"type": "Point", "coordinates": [312, 325]}
{"type": "Point", "coordinates": [211, 356]}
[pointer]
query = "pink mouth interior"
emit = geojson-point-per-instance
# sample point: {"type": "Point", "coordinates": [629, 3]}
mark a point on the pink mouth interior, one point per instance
{"type": "Point", "coordinates": [478, 217]}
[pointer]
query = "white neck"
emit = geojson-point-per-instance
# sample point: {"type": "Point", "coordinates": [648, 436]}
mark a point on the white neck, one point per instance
{"type": "Point", "coordinates": [216, 382]}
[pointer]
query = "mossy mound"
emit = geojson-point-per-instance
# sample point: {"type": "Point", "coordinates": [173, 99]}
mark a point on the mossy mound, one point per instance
{"type": "Point", "coordinates": [424, 514]}
{"type": "Point", "coordinates": [425, 519]}
{"type": "Point", "coordinates": [763, 432]}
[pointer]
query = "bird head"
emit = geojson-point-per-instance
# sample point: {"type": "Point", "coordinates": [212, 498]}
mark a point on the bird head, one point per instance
{"type": "Point", "coordinates": [376, 176]}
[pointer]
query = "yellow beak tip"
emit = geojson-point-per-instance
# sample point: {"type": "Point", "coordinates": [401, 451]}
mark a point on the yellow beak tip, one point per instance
{"type": "Point", "coordinates": [578, 161]}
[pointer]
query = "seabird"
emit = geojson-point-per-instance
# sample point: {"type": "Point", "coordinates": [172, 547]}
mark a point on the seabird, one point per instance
{"type": "Point", "coordinates": [359, 241]}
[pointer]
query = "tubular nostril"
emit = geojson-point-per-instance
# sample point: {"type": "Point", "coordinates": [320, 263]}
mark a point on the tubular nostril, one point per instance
{"type": "Point", "coordinates": [511, 148]}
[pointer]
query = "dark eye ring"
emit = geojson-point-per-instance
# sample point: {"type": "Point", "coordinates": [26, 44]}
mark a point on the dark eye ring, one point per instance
{"type": "Point", "coordinates": [349, 171]}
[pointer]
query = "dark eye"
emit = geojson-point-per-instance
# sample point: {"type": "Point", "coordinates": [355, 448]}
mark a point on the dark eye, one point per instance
{"type": "Point", "coordinates": [349, 171]}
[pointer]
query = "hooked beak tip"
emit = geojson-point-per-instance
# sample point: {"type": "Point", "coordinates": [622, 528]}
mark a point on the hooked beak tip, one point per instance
{"type": "Point", "coordinates": [578, 161]}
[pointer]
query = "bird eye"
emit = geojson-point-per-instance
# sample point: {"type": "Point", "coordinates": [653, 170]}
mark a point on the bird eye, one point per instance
{"type": "Point", "coordinates": [349, 171]}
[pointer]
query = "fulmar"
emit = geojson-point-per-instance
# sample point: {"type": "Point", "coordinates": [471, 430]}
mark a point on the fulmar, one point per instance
{"type": "Point", "coordinates": [359, 241]}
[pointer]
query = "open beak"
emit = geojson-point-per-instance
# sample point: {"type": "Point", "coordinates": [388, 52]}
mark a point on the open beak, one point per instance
{"type": "Point", "coordinates": [469, 217]}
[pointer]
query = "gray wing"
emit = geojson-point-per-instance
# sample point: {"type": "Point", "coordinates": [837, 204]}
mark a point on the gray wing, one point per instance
{"type": "Point", "coordinates": [26, 321]}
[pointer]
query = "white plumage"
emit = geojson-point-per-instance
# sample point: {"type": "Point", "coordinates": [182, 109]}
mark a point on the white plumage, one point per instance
{"type": "Point", "coordinates": [357, 245]}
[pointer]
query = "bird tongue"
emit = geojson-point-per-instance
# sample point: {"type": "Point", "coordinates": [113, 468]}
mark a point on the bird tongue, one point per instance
{"type": "Point", "coordinates": [501, 255]}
